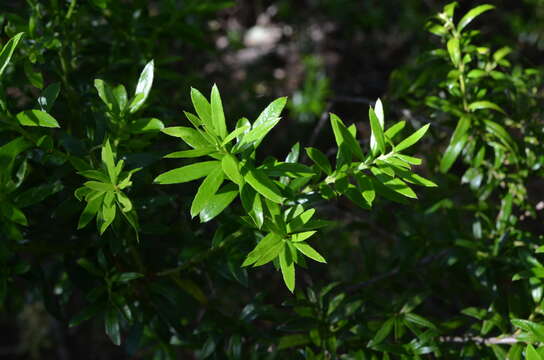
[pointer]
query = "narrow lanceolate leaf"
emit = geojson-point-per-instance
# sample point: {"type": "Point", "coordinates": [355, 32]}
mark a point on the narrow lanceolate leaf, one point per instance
{"type": "Point", "coordinates": [111, 323]}
{"type": "Point", "coordinates": [531, 353]}
{"type": "Point", "coordinates": [378, 110]}
{"type": "Point", "coordinates": [252, 203]}
{"type": "Point", "coordinates": [236, 133]}
{"type": "Point", "coordinates": [412, 139]}
{"type": "Point", "coordinates": [472, 14]}
{"type": "Point", "coordinates": [377, 132]}
{"type": "Point", "coordinates": [187, 173]}
{"type": "Point", "coordinates": [218, 202]}
{"type": "Point", "coordinates": [299, 237]}
{"type": "Point", "coordinates": [206, 190]}
{"type": "Point", "coordinates": [142, 89]}
{"type": "Point", "coordinates": [484, 104]}
{"type": "Point", "coordinates": [309, 252]}
{"type": "Point", "coordinates": [454, 51]}
{"type": "Point", "coordinates": [267, 245]}
{"type": "Point", "coordinates": [146, 125]}
{"type": "Point", "coordinates": [394, 184]}
{"type": "Point", "coordinates": [190, 153]}
{"type": "Point", "coordinates": [202, 108]}
{"type": "Point", "coordinates": [7, 51]}
{"type": "Point", "coordinates": [231, 168]}
{"type": "Point", "coordinates": [217, 114]}
{"type": "Point", "coordinates": [319, 159]}
{"type": "Point", "coordinates": [394, 130]}
{"type": "Point", "coordinates": [344, 138]}
{"type": "Point", "coordinates": [105, 92]}
{"type": "Point", "coordinates": [109, 161]}
{"type": "Point", "coordinates": [287, 266]}
{"type": "Point", "coordinates": [266, 121]}
{"type": "Point", "coordinates": [500, 132]}
{"type": "Point", "coordinates": [457, 143]}
{"type": "Point", "coordinates": [263, 185]}
{"type": "Point", "coordinates": [90, 211]}
{"type": "Point", "coordinates": [36, 118]}
{"type": "Point", "coordinates": [190, 136]}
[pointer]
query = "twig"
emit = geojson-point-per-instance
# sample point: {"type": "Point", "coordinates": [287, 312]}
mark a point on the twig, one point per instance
{"type": "Point", "coordinates": [501, 340]}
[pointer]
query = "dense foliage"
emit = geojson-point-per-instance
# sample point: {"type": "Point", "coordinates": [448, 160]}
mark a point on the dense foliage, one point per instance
{"type": "Point", "coordinates": [132, 228]}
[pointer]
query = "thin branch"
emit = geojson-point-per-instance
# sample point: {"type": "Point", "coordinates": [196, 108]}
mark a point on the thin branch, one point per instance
{"type": "Point", "coordinates": [500, 340]}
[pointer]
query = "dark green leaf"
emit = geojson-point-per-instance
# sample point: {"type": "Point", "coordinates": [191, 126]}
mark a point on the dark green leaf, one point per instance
{"type": "Point", "coordinates": [36, 118]}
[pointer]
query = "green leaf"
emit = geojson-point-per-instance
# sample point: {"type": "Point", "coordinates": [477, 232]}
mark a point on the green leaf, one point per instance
{"type": "Point", "coordinates": [203, 109]}
{"type": "Point", "coordinates": [190, 153]}
{"type": "Point", "coordinates": [454, 51]}
{"type": "Point", "coordinates": [268, 118]}
{"type": "Point", "coordinates": [105, 92]}
{"type": "Point", "coordinates": [267, 248]}
{"type": "Point", "coordinates": [111, 323]}
{"type": "Point", "coordinates": [120, 94]}
{"type": "Point", "coordinates": [295, 340]}
{"type": "Point", "coordinates": [207, 189]}
{"type": "Point", "coordinates": [301, 236]}
{"type": "Point", "coordinates": [287, 266]}
{"type": "Point", "coordinates": [344, 138]}
{"type": "Point", "coordinates": [472, 14]}
{"type": "Point", "coordinates": [531, 353]}
{"type": "Point", "coordinates": [236, 133]}
{"type": "Point", "coordinates": [13, 214]}
{"type": "Point", "coordinates": [262, 184]}
{"type": "Point", "coordinates": [48, 96]}
{"type": "Point", "coordinates": [187, 173]}
{"type": "Point", "coordinates": [33, 76]}
{"type": "Point", "coordinates": [146, 125]}
{"type": "Point", "coordinates": [7, 51]}
{"type": "Point", "coordinates": [394, 184]}
{"type": "Point", "coordinates": [319, 159]}
{"type": "Point", "coordinates": [365, 186]}
{"type": "Point", "coordinates": [218, 202]}
{"type": "Point", "coordinates": [251, 201]}
{"type": "Point", "coordinates": [109, 161]}
{"type": "Point", "coordinates": [190, 136]}
{"type": "Point", "coordinates": [126, 277]}
{"type": "Point", "coordinates": [501, 133]}
{"type": "Point", "coordinates": [394, 130]}
{"type": "Point", "coordinates": [457, 143]}
{"type": "Point", "coordinates": [99, 186]}
{"type": "Point", "coordinates": [412, 139]}
{"type": "Point", "coordinates": [479, 105]}
{"type": "Point", "coordinates": [419, 320]}
{"type": "Point", "coordinates": [143, 87]}
{"type": "Point", "coordinates": [231, 168]}
{"type": "Point", "coordinates": [108, 213]}
{"type": "Point", "coordinates": [217, 114]}
{"type": "Point", "coordinates": [90, 211]}
{"type": "Point", "coordinates": [377, 132]}
{"type": "Point", "coordinates": [309, 252]}
{"type": "Point", "coordinates": [383, 332]}
{"type": "Point", "coordinates": [36, 118]}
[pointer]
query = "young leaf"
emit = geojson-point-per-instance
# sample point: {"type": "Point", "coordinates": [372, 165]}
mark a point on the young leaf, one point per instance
{"type": "Point", "coordinates": [190, 136]}
{"type": "Point", "coordinates": [143, 87]}
{"type": "Point", "coordinates": [203, 109]}
{"type": "Point", "coordinates": [268, 118]}
{"type": "Point", "coordinates": [36, 118]}
{"type": "Point", "coordinates": [472, 14]}
{"type": "Point", "coordinates": [412, 139]}
{"type": "Point", "coordinates": [187, 173]}
{"type": "Point", "coordinates": [394, 184]}
{"type": "Point", "coordinates": [7, 51]}
{"type": "Point", "coordinates": [309, 252]}
{"type": "Point", "coordinates": [109, 161]}
{"type": "Point", "coordinates": [251, 201]}
{"type": "Point", "coordinates": [394, 130]}
{"type": "Point", "coordinates": [146, 125]}
{"type": "Point", "coordinates": [207, 190]}
{"type": "Point", "coordinates": [105, 92]}
{"type": "Point", "coordinates": [190, 153]}
{"type": "Point", "coordinates": [217, 114]}
{"type": "Point", "coordinates": [532, 354]}
{"type": "Point", "coordinates": [90, 211]}
{"type": "Point", "coordinates": [377, 132]}
{"type": "Point", "coordinates": [344, 138]}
